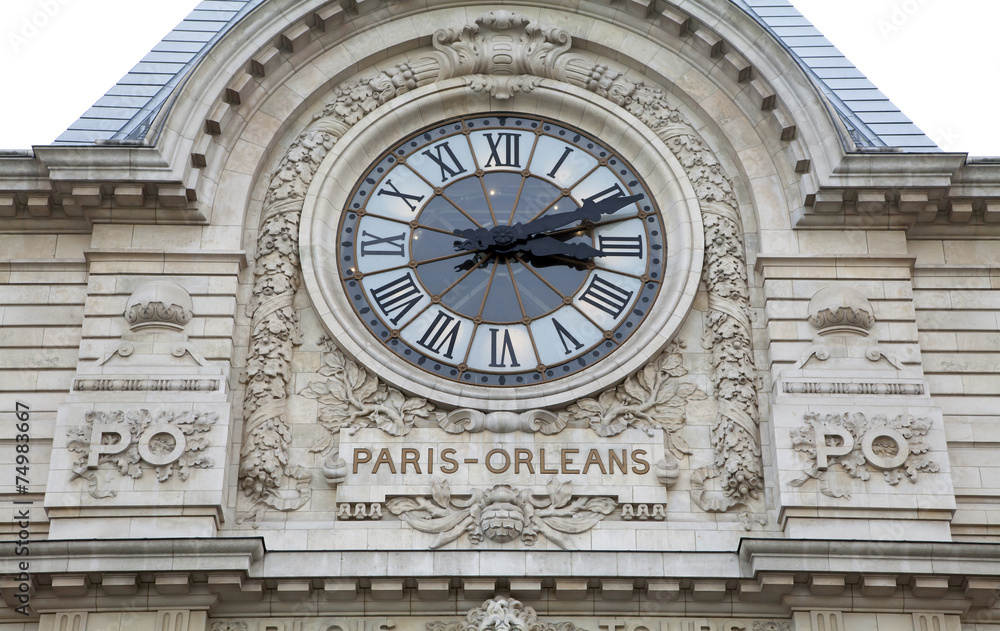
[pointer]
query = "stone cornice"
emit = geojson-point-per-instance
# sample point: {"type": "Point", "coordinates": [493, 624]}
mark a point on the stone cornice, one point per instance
{"type": "Point", "coordinates": [765, 575]}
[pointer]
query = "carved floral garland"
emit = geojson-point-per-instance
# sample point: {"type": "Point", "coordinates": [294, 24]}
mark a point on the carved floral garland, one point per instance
{"type": "Point", "coordinates": [351, 398]}
{"type": "Point", "coordinates": [735, 435]}
{"type": "Point", "coordinates": [530, 54]}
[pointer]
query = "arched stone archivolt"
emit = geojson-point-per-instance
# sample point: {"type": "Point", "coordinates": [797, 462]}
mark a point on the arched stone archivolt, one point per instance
{"type": "Point", "coordinates": [267, 476]}
{"type": "Point", "coordinates": [272, 88]}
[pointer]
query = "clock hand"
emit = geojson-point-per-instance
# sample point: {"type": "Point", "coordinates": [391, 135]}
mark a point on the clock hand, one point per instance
{"type": "Point", "coordinates": [544, 245]}
{"type": "Point", "coordinates": [505, 236]}
{"type": "Point", "coordinates": [589, 210]}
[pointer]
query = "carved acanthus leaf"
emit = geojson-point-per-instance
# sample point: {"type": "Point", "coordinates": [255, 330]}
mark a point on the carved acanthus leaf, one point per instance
{"type": "Point", "coordinates": [502, 514]}
{"type": "Point", "coordinates": [652, 399]}
{"type": "Point", "coordinates": [351, 398]}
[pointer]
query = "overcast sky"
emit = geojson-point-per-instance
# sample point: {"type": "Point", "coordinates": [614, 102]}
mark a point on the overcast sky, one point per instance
{"type": "Point", "coordinates": [936, 59]}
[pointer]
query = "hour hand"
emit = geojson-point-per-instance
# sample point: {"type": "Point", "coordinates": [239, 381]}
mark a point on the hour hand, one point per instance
{"type": "Point", "coordinates": [547, 246]}
{"type": "Point", "coordinates": [589, 210]}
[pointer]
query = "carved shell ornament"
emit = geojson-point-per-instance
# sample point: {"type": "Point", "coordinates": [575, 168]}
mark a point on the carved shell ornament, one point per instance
{"type": "Point", "coordinates": [501, 614]}
{"type": "Point", "coordinates": [503, 514]}
{"type": "Point", "coordinates": [500, 53]}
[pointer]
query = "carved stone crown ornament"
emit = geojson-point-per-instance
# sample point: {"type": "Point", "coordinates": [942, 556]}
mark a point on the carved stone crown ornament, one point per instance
{"type": "Point", "coordinates": [500, 54]}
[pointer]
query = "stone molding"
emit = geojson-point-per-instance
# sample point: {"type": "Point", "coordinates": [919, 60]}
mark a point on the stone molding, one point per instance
{"type": "Point", "coordinates": [950, 577]}
{"type": "Point", "coordinates": [853, 387]}
{"type": "Point", "coordinates": [266, 474]}
{"type": "Point", "coordinates": [359, 511]}
{"type": "Point", "coordinates": [164, 384]}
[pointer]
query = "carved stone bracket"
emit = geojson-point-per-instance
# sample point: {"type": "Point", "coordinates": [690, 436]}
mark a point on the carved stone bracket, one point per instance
{"type": "Point", "coordinates": [842, 446]}
{"type": "Point", "coordinates": [167, 440]}
{"type": "Point", "coordinates": [501, 53]}
{"type": "Point", "coordinates": [502, 514]}
{"type": "Point", "coordinates": [501, 614]}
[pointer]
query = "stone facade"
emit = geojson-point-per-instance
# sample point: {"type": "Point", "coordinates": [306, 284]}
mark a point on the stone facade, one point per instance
{"type": "Point", "coordinates": [202, 437]}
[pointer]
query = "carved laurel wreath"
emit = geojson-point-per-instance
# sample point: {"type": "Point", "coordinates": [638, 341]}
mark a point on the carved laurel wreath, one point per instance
{"type": "Point", "coordinates": [532, 53]}
{"type": "Point", "coordinates": [128, 462]}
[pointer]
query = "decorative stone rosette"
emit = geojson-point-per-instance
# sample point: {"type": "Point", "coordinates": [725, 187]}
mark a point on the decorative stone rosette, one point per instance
{"type": "Point", "coordinates": [530, 54]}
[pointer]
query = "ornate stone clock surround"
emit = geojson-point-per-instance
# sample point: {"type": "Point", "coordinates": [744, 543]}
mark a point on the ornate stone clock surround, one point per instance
{"type": "Point", "coordinates": [501, 54]}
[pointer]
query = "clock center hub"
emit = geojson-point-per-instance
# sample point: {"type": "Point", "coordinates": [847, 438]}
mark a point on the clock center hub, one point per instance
{"type": "Point", "coordinates": [502, 235]}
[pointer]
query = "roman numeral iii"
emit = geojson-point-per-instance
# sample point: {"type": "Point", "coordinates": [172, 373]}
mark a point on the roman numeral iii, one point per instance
{"type": "Point", "coordinates": [607, 297]}
{"type": "Point", "coordinates": [621, 246]}
{"type": "Point", "coordinates": [442, 331]}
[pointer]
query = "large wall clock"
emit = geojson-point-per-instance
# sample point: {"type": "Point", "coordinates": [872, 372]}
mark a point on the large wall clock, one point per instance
{"type": "Point", "coordinates": [501, 261]}
{"type": "Point", "coordinates": [501, 250]}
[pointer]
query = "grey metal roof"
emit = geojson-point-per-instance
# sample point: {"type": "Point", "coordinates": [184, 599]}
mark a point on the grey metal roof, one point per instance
{"type": "Point", "coordinates": [871, 118]}
{"type": "Point", "coordinates": [126, 112]}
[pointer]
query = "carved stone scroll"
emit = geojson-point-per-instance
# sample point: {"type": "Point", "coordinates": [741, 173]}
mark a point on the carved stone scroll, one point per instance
{"type": "Point", "coordinates": [500, 54]}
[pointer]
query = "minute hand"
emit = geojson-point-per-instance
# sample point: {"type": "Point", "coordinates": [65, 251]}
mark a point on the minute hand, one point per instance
{"type": "Point", "coordinates": [589, 210]}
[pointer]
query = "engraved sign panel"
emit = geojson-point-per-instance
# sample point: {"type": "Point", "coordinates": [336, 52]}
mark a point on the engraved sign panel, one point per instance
{"type": "Point", "coordinates": [381, 466]}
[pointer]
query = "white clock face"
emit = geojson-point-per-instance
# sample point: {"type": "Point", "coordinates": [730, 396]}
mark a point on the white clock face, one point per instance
{"type": "Point", "coordinates": [501, 250]}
